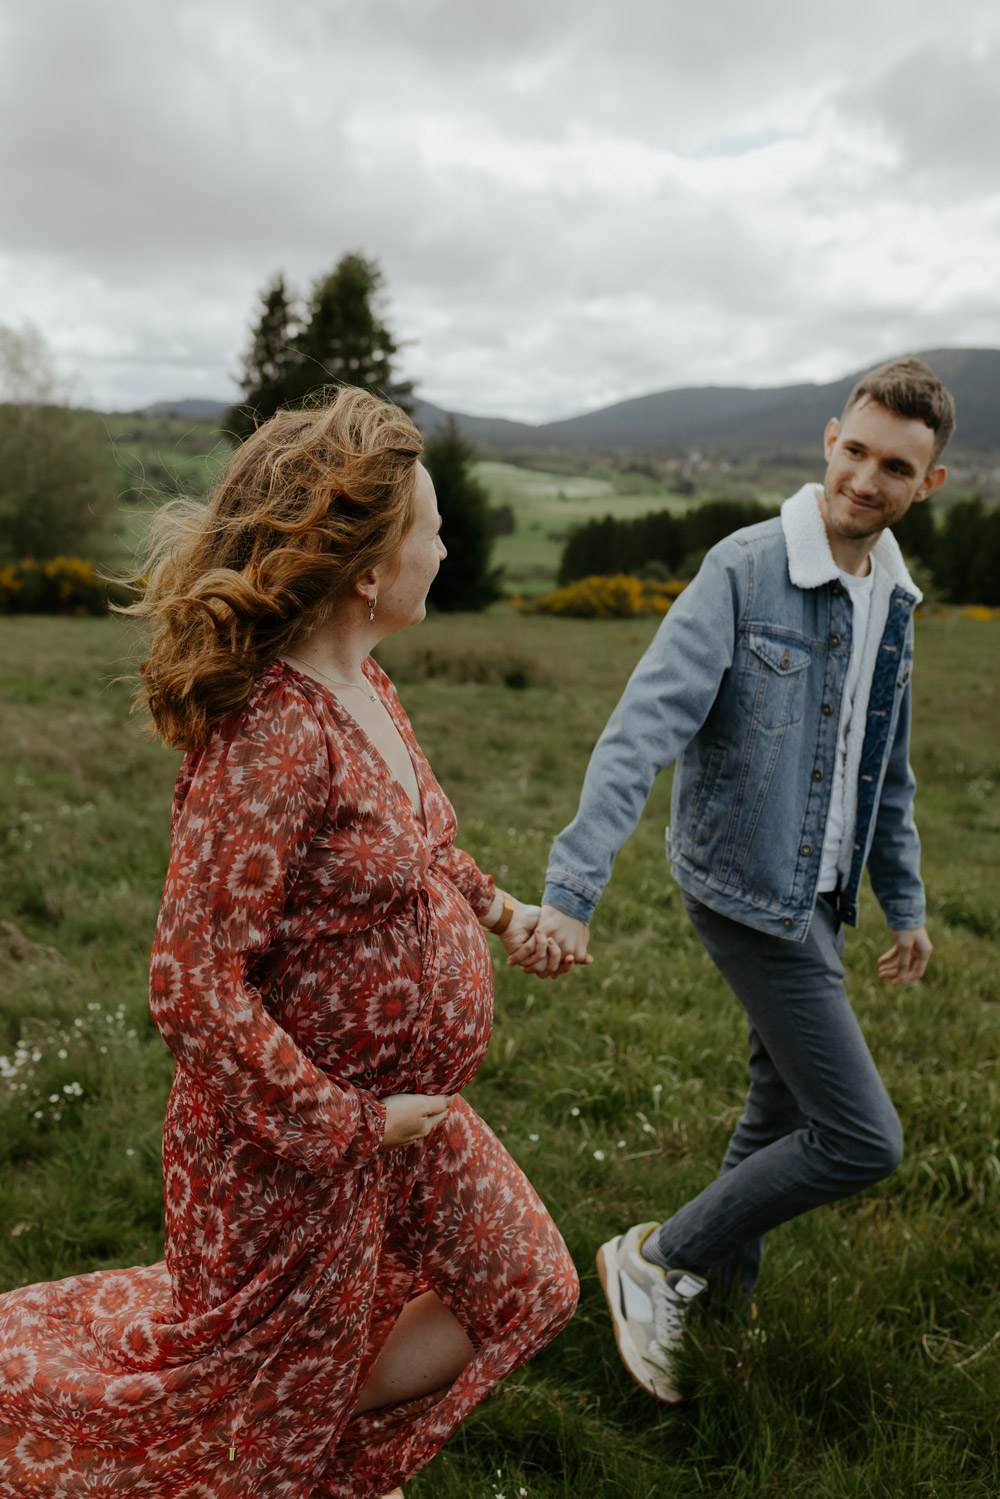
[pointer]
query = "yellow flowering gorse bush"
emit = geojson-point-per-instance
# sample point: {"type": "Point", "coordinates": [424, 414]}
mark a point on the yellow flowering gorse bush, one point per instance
{"type": "Point", "coordinates": [619, 597]}
{"type": "Point", "coordinates": [60, 585]}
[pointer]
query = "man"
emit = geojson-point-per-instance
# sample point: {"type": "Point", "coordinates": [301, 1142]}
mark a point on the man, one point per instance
{"type": "Point", "coordinates": [779, 682]}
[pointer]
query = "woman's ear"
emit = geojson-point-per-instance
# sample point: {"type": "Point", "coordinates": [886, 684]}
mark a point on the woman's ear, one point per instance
{"type": "Point", "coordinates": [365, 585]}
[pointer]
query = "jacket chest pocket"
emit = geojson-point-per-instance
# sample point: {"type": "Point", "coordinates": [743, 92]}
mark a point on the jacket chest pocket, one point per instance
{"type": "Point", "coordinates": [772, 691]}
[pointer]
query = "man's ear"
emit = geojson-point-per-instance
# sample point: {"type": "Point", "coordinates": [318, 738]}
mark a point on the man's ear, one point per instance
{"type": "Point", "coordinates": [830, 435]}
{"type": "Point", "coordinates": [933, 479]}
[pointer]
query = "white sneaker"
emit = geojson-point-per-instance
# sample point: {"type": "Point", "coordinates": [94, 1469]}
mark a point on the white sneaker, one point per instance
{"type": "Point", "coordinates": [648, 1309]}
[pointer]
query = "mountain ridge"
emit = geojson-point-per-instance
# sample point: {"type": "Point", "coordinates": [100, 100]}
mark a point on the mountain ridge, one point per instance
{"type": "Point", "coordinates": [735, 419]}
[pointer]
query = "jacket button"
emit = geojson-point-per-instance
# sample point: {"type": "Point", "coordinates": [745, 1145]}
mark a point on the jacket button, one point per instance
{"type": "Point", "coordinates": [826, 709]}
{"type": "Point", "coordinates": [836, 590]}
{"type": "Point", "coordinates": [805, 848]}
{"type": "Point", "coordinates": [835, 639]}
{"type": "Point", "coordinates": [817, 774]}
{"type": "Point", "coordinates": [787, 923]}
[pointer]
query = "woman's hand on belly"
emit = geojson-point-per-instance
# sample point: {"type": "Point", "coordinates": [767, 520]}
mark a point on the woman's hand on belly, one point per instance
{"type": "Point", "coordinates": [411, 1116]}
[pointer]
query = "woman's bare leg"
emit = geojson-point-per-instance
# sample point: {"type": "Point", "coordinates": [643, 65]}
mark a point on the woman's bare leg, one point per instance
{"type": "Point", "coordinates": [425, 1351]}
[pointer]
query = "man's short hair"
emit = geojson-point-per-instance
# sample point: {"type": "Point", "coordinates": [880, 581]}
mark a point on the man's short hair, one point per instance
{"type": "Point", "coordinates": [907, 387]}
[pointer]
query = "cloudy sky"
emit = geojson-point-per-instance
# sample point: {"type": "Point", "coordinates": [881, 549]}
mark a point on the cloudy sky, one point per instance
{"type": "Point", "coordinates": [573, 201]}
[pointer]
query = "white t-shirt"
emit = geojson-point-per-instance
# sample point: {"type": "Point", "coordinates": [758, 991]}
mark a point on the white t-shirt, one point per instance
{"type": "Point", "coordinates": [859, 591]}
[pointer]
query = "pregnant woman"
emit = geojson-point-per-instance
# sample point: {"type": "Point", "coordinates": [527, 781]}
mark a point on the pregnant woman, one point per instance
{"type": "Point", "coordinates": [352, 1259]}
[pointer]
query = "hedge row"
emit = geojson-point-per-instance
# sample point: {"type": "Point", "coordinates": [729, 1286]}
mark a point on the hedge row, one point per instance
{"type": "Point", "coordinates": [958, 548]}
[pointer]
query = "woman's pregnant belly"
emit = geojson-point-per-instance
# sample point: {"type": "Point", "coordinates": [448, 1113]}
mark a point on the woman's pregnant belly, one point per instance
{"type": "Point", "coordinates": [404, 1007]}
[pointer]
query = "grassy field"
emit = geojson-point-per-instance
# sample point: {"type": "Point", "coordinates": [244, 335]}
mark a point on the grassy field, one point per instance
{"type": "Point", "coordinates": [873, 1370]}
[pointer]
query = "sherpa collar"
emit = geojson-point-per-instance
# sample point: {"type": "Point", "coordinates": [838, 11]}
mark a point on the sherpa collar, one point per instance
{"type": "Point", "coordinates": [810, 560]}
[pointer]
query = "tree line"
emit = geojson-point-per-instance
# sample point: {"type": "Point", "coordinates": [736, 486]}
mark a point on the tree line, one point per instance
{"type": "Point", "coordinates": [955, 552]}
{"type": "Point", "coordinates": [659, 544]}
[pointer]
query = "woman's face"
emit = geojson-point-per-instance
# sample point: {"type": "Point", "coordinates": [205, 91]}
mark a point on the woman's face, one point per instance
{"type": "Point", "coordinates": [403, 592]}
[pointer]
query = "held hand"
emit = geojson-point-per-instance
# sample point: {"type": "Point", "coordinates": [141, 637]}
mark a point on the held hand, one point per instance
{"type": "Point", "coordinates": [523, 945]}
{"type": "Point", "coordinates": [521, 931]}
{"type": "Point", "coordinates": [411, 1116]}
{"type": "Point", "coordinates": [560, 943]}
{"type": "Point", "coordinates": [907, 960]}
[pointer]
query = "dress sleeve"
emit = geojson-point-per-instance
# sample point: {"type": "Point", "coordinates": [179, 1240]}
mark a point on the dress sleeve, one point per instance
{"type": "Point", "coordinates": [252, 803]}
{"type": "Point", "coordinates": [463, 871]}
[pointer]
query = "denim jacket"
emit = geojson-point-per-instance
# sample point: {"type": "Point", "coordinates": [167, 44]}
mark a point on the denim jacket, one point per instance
{"type": "Point", "coordinates": [742, 686]}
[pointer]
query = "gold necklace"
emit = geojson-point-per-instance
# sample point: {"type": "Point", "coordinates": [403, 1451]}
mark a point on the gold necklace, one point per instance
{"type": "Point", "coordinates": [358, 686]}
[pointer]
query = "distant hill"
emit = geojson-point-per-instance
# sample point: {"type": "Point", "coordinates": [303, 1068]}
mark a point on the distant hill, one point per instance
{"type": "Point", "coordinates": [195, 407]}
{"type": "Point", "coordinates": [740, 419]}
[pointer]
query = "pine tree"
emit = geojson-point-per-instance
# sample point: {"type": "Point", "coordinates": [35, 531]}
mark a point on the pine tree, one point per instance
{"type": "Point", "coordinates": [340, 338]}
{"type": "Point", "coordinates": [466, 580]}
{"type": "Point", "coordinates": [265, 364]}
{"type": "Point", "coordinates": [343, 337]}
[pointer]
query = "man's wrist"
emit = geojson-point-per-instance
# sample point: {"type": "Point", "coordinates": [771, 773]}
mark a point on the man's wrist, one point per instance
{"type": "Point", "coordinates": [566, 897]}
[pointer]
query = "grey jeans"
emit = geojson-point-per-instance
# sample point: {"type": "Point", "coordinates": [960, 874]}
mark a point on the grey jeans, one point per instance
{"type": "Point", "coordinates": [818, 1123]}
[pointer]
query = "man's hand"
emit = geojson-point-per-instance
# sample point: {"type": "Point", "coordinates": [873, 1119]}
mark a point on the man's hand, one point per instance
{"type": "Point", "coordinates": [908, 959]}
{"type": "Point", "coordinates": [559, 944]}
{"type": "Point", "coordinates": [411, 1116]}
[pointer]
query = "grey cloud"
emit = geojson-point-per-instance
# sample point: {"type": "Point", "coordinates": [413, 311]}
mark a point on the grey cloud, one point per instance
{"type": "Point", "coordinates": [940, 108]}
{"type": "Point", "coordinates": [159, 163]}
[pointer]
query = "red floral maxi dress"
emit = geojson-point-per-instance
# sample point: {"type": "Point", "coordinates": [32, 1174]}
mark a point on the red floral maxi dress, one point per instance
{"type": "Point", "coordinates": [317, 950]}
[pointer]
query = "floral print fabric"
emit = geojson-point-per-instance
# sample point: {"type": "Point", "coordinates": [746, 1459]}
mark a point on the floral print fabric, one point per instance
{"type": "Point", "coordinates": [317, 949]}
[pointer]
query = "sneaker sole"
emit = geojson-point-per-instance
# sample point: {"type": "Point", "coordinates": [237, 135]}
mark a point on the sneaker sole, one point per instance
{"type": "Point", "coordinates": [607, 1269]}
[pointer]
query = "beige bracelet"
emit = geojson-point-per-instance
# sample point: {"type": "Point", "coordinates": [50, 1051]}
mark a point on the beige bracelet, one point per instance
{"type": "Point", "coordinates": [503, 921]}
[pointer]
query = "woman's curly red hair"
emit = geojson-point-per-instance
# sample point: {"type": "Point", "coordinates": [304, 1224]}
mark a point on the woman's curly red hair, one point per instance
{"type": "Point", "coordinates": [308, 504]}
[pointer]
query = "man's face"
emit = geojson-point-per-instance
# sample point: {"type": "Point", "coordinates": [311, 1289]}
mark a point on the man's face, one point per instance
{"type": "Point", "coordinates": [877, 466]}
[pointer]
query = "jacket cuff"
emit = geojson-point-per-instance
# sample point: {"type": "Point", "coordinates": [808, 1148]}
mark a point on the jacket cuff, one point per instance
{"type": "Point", "coordinates": [571, 896]}
{"type": "Point", "coordinates": [904, 918]}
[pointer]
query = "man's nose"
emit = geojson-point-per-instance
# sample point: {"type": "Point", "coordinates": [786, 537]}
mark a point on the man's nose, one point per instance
{"type": "Point", "coordinates": [864, 477]}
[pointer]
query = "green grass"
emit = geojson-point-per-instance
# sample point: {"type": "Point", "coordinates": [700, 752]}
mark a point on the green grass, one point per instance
{"type": "Point", "coordinates": [616, 1089]}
